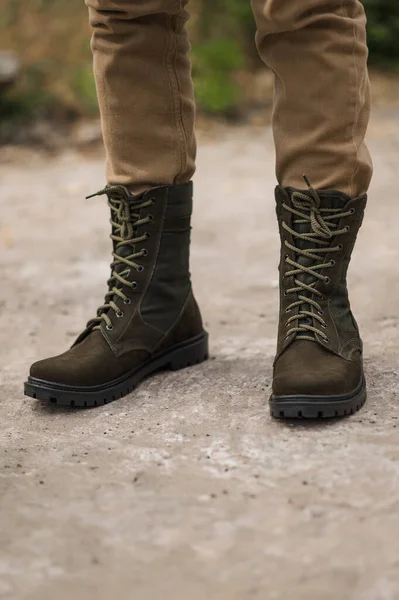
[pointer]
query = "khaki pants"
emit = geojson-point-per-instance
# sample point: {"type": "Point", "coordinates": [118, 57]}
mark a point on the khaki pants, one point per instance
{"type": "Point", "coordinates": [316, 48]}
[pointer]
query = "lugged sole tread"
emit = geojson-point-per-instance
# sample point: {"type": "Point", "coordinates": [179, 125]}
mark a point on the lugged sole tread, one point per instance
{"type": "Point", "coordinates": [302, 409]}
{"type": "Point", "coordinates": [175, 359]}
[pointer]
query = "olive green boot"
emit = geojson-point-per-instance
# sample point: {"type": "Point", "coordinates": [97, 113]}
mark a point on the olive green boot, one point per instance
{"type": "Point", "coordinates": [149, 320]}
{"type": "Point", "coordinates": [318, 369]}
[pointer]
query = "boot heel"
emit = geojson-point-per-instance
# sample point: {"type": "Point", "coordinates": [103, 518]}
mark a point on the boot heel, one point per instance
{"type": "Point", "coordinates": [192, 353]}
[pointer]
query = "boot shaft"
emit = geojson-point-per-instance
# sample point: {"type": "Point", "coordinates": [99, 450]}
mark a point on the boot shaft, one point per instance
{"type": "Point", "coordinates": [318, 231]}
{"type": "Point", "coordinates": [150, 278]}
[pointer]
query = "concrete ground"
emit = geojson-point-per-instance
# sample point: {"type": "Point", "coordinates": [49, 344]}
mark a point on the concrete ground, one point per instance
{"type": "Point", "coordinates": [187, 489]}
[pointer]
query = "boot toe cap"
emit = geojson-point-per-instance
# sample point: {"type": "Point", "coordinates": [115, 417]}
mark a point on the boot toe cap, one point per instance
{"type": "Point", "coordinates": [89, 363]}
{"type": "Point", "coordinates": [314, 371]}
{"type": "Point", "coordinates": [61, 370]}
{"type": "Point", "coordinates": [313, 383]}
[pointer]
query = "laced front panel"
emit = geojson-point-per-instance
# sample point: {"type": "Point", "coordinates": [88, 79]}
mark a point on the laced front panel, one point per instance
{"type": "Point", "coordinates": [125, 221]}
{"type": "Point", "coordinates": [323, 231]}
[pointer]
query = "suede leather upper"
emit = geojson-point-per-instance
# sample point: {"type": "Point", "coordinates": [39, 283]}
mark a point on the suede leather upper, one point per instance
{"type": "Point", "coordinates": [332, 363]}
{"type": "Point", "coordinates": [161, 311]}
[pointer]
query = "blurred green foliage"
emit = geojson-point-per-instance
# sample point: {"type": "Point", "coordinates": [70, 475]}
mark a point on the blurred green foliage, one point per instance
{"type": "Point", "coordinates": [223, 45]}
{"type": "Point", "coordinates": [84, 86]}
{"type": "Point", "coordinates": [383, 32]}
{"type": "Point", "coordinates": [52, 38]}
{"type": "Point", "coordinates": [217, 88]}
{"type": "Point", "coordinates": [214, 65]}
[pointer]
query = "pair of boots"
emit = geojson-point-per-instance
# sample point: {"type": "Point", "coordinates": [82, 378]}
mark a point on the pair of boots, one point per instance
{"type": "Point", "coordinates": [150, 319]}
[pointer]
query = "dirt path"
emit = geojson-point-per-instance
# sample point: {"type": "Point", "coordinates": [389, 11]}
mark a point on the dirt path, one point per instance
{"type": "Point", "coordinates": [187, 489]}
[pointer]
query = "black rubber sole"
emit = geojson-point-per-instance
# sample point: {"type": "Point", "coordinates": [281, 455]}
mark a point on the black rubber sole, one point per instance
{"type": "Point", "coordinates": [183, 355]}
{"type": "Point", "coordinates": [318, 407]}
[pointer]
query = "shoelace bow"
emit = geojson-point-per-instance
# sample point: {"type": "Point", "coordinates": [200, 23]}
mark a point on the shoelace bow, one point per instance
{"type": "Point", "coordinates": [125, 220]}
{"type": "Point", "coordinates": [323, 227]}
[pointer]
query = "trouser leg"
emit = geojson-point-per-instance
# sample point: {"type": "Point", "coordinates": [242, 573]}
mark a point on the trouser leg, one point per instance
{"type": "Point", "coordinates": [318, 52]}
{"type": "Point", "coordinates": [145, 91]}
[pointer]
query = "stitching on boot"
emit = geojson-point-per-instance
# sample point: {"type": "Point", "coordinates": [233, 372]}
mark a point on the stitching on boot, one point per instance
{"type": "Point", "coordinates": [348, 342]}
{"type": "Point", "coordinates": [181, 313]}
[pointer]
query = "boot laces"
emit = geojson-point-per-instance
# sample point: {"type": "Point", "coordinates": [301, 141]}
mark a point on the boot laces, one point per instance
{"type": "Point", "coordinates": [125, 221]}
{"type": "Point", "coordinates": [323, 228]}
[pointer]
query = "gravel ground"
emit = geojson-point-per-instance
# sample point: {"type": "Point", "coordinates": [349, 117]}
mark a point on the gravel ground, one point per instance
{"type": "Point", "coordinates": [187, 488]}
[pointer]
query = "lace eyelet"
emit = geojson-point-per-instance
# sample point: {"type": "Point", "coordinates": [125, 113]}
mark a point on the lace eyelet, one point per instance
{"type": "Point", "coordinates": [323, 325]}
{"type": "Point", "coordinates": [134, 287]}
{"type": "Point", "coordinates": [144, 252]}
{"type": "Point", "coordinates": [285, 294]}
{"type": "Point", "coordinates": [327, 280]}
{"type": "Point", "coordinates": [120, 314]}
{"type": "Point", "coordinates": [150, 218]}
{"type": "Point", "coordinates": [332, 263]}
{"type": "Point", "coordinates": [341, 247]}
{"type": "Point", "coordinates": [147, 235]}
{"type": "Point", "coordinates": [109, 327]}
{"type": "Point", "coordinates": [320, 312]}
{"type": "Point", "coordinates": [353, 210]}
{"type": "Point", "coordinates": [288, 310]}
{"type": "Point", "coordinates": [347, 228]}
{"type": "Point", "coordinates": [140, 269]}
{"type": "Point", "coordinates": [152, 200]}
{"type": "Point", "coordinates": [127, 301]}
{"type": "Point", "coordinates": [326, 340]}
